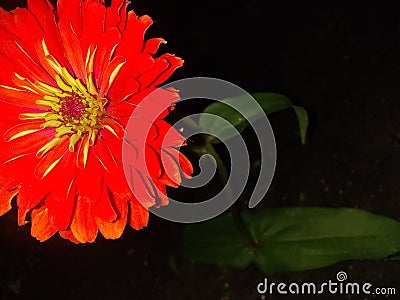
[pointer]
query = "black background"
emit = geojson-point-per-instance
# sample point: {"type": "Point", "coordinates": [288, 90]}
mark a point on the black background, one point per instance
{"type": "Point", "coordinates": [340, 60]}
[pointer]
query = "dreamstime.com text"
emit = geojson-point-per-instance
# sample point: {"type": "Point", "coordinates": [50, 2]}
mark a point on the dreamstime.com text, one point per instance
{"type": "Point", "coordinates": [340, 286]}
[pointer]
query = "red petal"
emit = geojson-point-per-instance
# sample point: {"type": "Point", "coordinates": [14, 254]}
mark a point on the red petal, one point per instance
{"type": "Point", "coordinates": [153, 162]}
{"type": "Point", "coordinates": [103, 208]}
{"type": "Point", "coordinates": [28, 145]}
{"type": "Point", "coordinates": [7, 20]}
{"type": "Point", "coordinates": [114, 127]}
{"type": "Point", "coordinates": [51, 159]}
{"type": "Point", "coordinates": [133, 35]}
{"type": "Point", "coordinates": [160, 65]}
{"type": "Point", "coordinates": [167, 136]}
{"type": "Point", "coordinates": [116, 14]}
{"type": "Point", "coordinates": [90, 180]}
{"type": "Point", "coordinates": [172, 174]}
{"type": "Point", "coordinates": [32, 192]}
{"type": "Point", "coordinates": [174, 63]}
{"type": "Point", "coordinates": [186, 165]}
{"type": "Point", "coordinates": [12, 174]}
{"type": "Point", "coordinates": [151, 46]}
{"type": "Point", "coordinates": [61, 208]}
{"type": "Point", "coordinates": [20, 98]}
{"type": "Point", "coordinates": [70, 11]}
{"type": "Point", "coordinates": [22, 130]}
{"type": "Point", "coordinates": [42, 228]}
{"type": "Point", "coordinates": [72, 48]}
{"type": "Point", "coordinates": [93, 14]}
{"type": "Point", "coordinates": [110, 74]}
{"type": "Point", "coordinates": [161, 198]}
{"type": "Point", "coordinates": [15, 53]}
{"type": "Point", "coordinates": [123, 87]}
{"type": "Point", "coordinates": [40, 9]}
{"type": "Point", "coordinates": [106, 44]}
{"type": "Point", "coordinates": [138, 215]}
{"type": "Point", "coordinates": [28, 29]}
{"type": "Point", "coordinates": [105, 156]}
{"type": "Point", "coordinates": [8, 69]}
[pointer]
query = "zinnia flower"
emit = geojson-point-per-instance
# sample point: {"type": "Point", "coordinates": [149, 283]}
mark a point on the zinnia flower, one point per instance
{"type": "Point", "coordinates": [70, 79]}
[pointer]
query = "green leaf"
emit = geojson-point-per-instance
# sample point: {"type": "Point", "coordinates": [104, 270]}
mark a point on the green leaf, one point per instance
{"type": "Point", "coordinates": [217, 242]}
{"type": "Point", "coordinates": [294, 239]}
{"type": "Point", "coordinates": [302, 118]}
{"type": "Point", "coordinates": [244, 113]}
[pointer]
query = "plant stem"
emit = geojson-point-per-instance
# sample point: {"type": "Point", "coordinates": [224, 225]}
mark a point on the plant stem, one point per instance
{"type": "Point", "coordinates": [235, 209]}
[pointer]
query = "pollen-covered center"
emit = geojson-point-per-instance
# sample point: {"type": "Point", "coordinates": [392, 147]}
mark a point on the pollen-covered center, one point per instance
{"type": "Point", "coordinates": [73, 108]}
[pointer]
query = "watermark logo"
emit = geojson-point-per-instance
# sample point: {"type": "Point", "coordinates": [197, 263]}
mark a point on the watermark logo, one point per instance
{"type": "Point", "coordinates": [340, 286]}
{"type": "Point", "coordinates": [218, 90]}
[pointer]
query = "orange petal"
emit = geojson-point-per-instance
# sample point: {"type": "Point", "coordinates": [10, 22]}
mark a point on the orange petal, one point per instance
{"type": "Point", "coordinates": [138, 215]}
{"type": "Point", "coordinates": [113, 230]}
{"type": "Point", "coordinates": [20, 98]}
{"type": "Point", "coordinates": [83, 225]}
{"type": "Point", "coordinates": [22, 212]}
{"type": "Point", "coordinates": [42, 228]}
{"type": "Point", "coordinates": [5, 200]}
{"type": "Point", "coordinates": [170, 163]}
{"type": "Point", "coordinates": [68, 234]}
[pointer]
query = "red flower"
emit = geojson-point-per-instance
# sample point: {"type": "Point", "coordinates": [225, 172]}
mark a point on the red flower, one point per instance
{"type": "Point", "coordinates": [70, 78]}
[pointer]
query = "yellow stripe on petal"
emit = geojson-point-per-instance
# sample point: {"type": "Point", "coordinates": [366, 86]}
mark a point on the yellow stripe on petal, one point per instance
{"type": "Point", "coordinates": [33, 116]}
{"type": "Point", "coordinates": [21, 130]}
{"type": "Point", "coordinates": [47, 88]}
{"type": "Point", "coordinates": [114, 127]}
{"type": "Point", "coordinates": [90, 58]}
{"type": "Point", "coordinates": [54, 64]}
{"type": "Point", "coordinates": [83, 152]}
{"type": "Point", "coordinates": [51, 124]}
{"type": "Point", "coordinates": [51, 167]}
{"type": "Point", "coordinates": [92, 136]}
{"type": "Point", "coordinates": [62, 85]}
{"type": "Point", "coordinates": [72, 142]}
{"type": "Point", "coordinates": [63, 130]}
{"type": "Point", "coordinates": [49, 146]}
{"type": "Point", "coordinates": [115, 73]}
{"type": "Point", "coordinates": [11, 88]}
{"type": "Point", "coordinates": [45, 49]}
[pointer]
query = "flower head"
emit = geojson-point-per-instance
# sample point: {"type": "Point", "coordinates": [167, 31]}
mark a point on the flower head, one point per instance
{"type": "Point", "coordinates": [71, 78]}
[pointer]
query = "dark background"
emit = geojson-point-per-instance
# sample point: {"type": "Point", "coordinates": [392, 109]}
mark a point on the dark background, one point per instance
{"type": "Point", "coordinates": [340, 60]}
